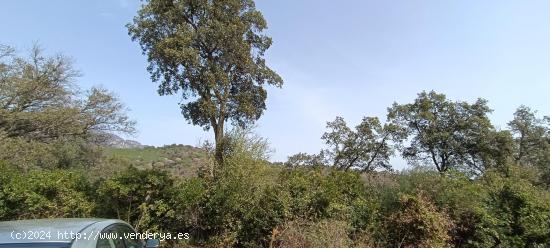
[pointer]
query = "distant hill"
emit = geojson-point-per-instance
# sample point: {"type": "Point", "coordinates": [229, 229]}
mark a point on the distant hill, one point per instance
{"type": "Point", "coordinates": [115, 141]}
{"type": "Point", "coordinates": [179, 160]}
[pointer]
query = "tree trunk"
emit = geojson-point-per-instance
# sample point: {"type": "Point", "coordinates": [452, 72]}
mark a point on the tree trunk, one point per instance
{"type": "Point", "coordinates": [218, 136]}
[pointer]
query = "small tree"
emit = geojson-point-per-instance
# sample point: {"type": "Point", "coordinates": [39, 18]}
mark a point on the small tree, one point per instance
{"type": "Point", "coordinates": [39, 101]}
{"type": "Point", "coordinates": [367, 148]}
{"type": "Point", "coordinates": [211, 51]}
{"type": "Point", "coordinates": [531, 136]}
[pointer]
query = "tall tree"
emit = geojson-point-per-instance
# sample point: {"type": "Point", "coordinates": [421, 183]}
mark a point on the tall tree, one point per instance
{"type": "Point", "coordinates": [366, 148]}
{"type": "Point", "coordinates": [444, 133]}
{"type": "Point", "coordinates": [213, 53]}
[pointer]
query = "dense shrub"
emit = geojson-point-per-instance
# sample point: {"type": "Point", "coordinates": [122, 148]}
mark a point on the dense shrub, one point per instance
{"type": "Point", "coordinates": [249, 203]}
{"type": "Point", "coordinates": [140, 197]}
{"type": "Point", "coordinates": [62, 153]}
{"type": "Point", "coordinates": [304, 234]}
{"type": "Point", "coordinates": [461, 197]}
{"type": "Point", "coordinates": [321, 193]}
{"type": "Point", "coordinates": [418, 223]}
{"type": "Point", "coordinates": [44, 194]}
{"type": "Point", "coordinates": [241, 205]}
{"type": "Point", "coordinates": [521, 211]}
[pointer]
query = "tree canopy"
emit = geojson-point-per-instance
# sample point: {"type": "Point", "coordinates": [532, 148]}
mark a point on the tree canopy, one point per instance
{"type": "Point", "coordinates": [532, 136]}
{"type": "Point", "coordinates": [39, 101]}
{"type": "Point", "coordinates": [444, 133]}
{"type": "Point", "coordinates": [367, 148]}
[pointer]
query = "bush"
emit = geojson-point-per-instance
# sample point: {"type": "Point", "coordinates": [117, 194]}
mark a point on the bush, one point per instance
{"type": "Point", "coordinates": [418, 223]}
{"type": "Point", "coordinates": [321, 193]}
{"type": "Point", "coordinates": [44, 194]}
{"type": "Point", "coordinates": [241, 205]}
{"type": "Point", "coordinates": [520, 211]}
{"type": "Point", "coordinates": [461, 197]}
{"type": "Point", "coordinates": [303, 234]}
{"type": "Point", "coordinates": [140, 197]}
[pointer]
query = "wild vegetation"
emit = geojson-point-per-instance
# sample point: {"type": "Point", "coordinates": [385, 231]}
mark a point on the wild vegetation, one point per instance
{"type": "Point", "coordinates": [469, 184]}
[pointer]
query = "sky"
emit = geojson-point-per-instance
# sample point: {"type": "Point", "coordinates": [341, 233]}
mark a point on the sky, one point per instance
{"type": "Point", "coordinates": [337, 58]}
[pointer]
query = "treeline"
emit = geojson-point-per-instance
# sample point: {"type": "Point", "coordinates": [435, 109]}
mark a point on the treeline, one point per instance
{"type": "Point", "coordinates": [471, 185]}
{"type": "Point", "coordinates": [437, 132]}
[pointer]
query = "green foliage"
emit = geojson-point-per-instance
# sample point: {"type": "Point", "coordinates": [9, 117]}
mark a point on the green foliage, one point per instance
{"type": "Point", "coordinates": [140, 197]}
{"type": "Point", "coordinates": [531, 136]}
{"type": "Point", "coordinates": [58, 153]}
{"type": "Point", "coordinates": [462, 198]}
{"type": "Point", "coordinates": [498, 209]}
{"type": "Point", "coordinates": [532, 141]}
{"type": "Point", "coordinates": [241, 210]}
{"type": "Point", "coordinates": [418, 223]}
{"type": "Point", "coordinates": [249, 203]}
{"type": "Point", "coordinates": [45, 120]}
{"type": "Point", "coordinates": [443, 133]}
{"type": "Point", "coordinates": [41, 194]}
{"type": "Point", "coordinates": [321, 193]}
{"type": "Point", "coordinates": [39, 101]}
{"type": "Point", "coordinates": [178, 160]}
{"type": "Point", "coordinates": [211, 51]}
{"type": "Point", "coordinates": [242, 203]}
{"type": "Point", "coordinates": [365, 149]}
{"type": "Point", "coordinates": [306, 160]}
{"type": "Point", "coordinates": [246, 201]}
{"type": "Point", "coordinates": [188, 198]}
{"type": "Point", "coordinates": [544, 171]}
{"type": "Point", "coordinates": [521, 211]}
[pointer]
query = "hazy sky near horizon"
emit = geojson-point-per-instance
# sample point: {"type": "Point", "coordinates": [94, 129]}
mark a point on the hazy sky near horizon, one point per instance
{"type": "Point", "coordinates": [338, 58]}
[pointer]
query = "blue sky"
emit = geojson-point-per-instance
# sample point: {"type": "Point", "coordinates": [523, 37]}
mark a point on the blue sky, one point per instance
{"type": "Point", "coordinates": [347, 58]}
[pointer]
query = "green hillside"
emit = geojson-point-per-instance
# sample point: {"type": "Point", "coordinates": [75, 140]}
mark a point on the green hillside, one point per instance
{"type": "Point", "coordinates": [179, 160]}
